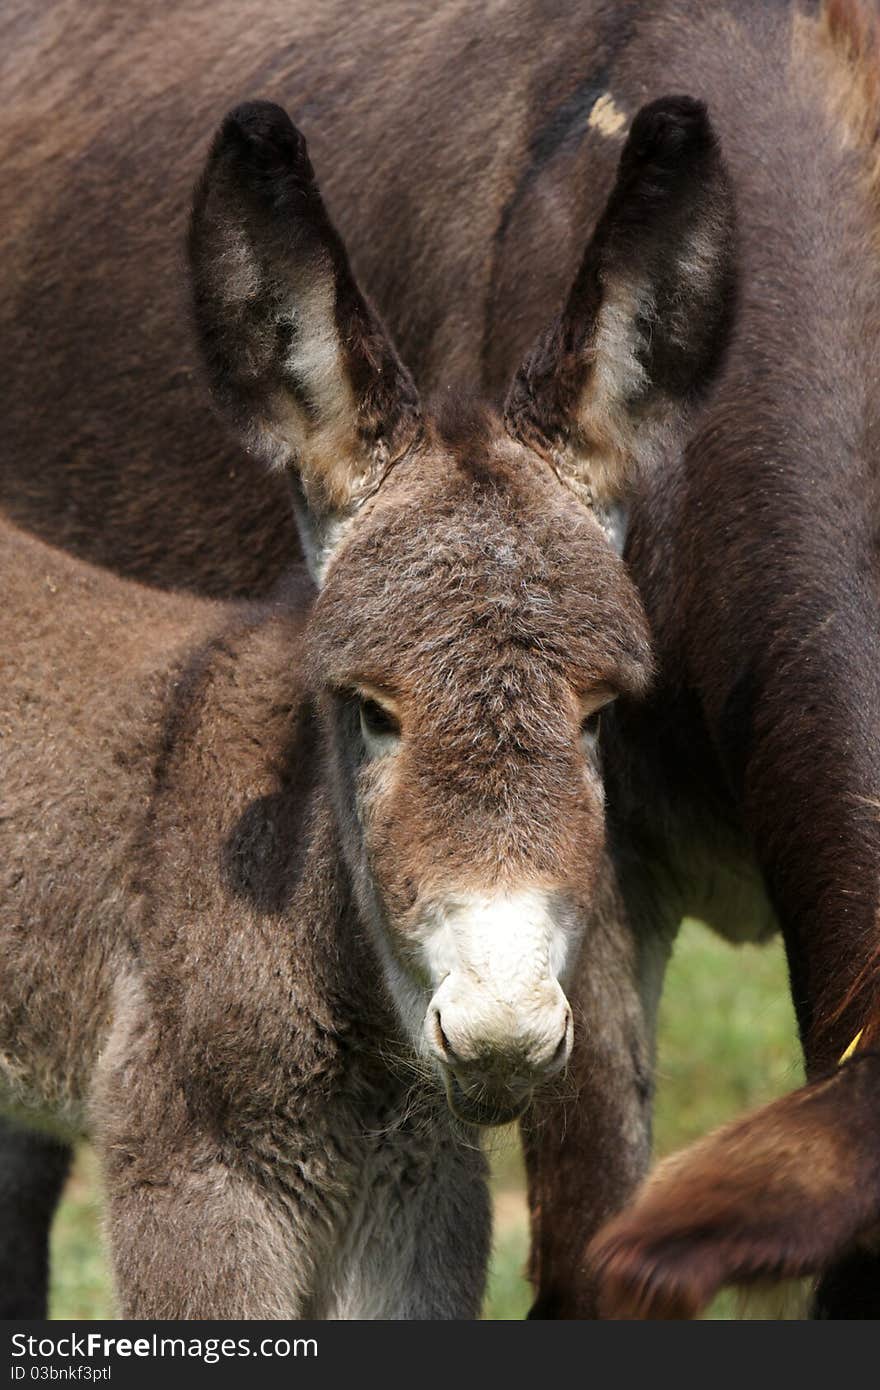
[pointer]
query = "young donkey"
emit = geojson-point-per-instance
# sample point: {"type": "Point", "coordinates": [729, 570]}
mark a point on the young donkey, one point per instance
{"type": "Point", "coordinates": [292, 890]}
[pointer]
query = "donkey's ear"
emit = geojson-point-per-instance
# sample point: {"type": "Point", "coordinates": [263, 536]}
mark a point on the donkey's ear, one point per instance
{"type": "Point", "coordinates": [296, 357]}
{"type": "Point", "coordinates": [611, 383]}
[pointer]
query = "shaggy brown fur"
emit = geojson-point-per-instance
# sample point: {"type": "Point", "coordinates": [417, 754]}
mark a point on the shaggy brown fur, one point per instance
{"type": "Point", "coordinates": [466, 164]}
{"type": "Point", "coordinates": [223, 883]}
{"type": "Point", "coordinates": [795, 1187]}
{"type": "Point", "coordinates": [779, 1194]}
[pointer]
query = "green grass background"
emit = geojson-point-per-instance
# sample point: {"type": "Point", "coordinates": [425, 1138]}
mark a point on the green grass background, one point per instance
{"type": "Point", "coordinates": [727, 1041]}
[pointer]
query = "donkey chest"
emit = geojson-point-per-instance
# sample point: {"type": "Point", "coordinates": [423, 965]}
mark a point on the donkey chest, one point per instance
{"type": "Point", "coordinates": [357, 1274]}
{"type": "Point", "coordinates": [384, 1167]}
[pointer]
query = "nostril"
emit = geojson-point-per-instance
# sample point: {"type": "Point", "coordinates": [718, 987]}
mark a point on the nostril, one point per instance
{"type": "Point", "coordinates": [561, 1050]}
{"type": "Point", "coordinates": [440, 1039]}
{"type": "Point", "coordinates": [563, 1047]}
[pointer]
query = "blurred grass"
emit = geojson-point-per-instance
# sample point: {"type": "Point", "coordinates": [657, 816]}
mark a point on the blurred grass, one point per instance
{"type": "Point", "coordinates": [727, 1042]}
{"type": "Point", "coordinates": [80, 1287]}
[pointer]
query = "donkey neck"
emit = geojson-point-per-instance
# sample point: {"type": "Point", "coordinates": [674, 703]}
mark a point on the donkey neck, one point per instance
{"type": "Point", "coordinates": [251, 912]}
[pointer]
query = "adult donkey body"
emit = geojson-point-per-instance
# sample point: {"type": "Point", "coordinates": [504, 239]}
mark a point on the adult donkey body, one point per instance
{"type": "Point", "coordinates": [477, 154]}
{"type": "Point", "coordinates": [291, 889]}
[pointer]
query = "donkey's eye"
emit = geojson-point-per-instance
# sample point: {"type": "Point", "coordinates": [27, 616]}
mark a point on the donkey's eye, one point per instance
{"type": "Point", "coordinates": [590, 729]}
{"type": "Point", "coordinates": [376, 719]}
{"type": "Point", "coordinates": [379, 727]}
{"type": "Point", "coordinates": [592, 705]}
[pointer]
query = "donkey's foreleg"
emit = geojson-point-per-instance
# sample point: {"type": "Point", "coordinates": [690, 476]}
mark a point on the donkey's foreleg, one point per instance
{"type": "Point", "coordinates": [32, 1172]}
{"type": "Point", "coordinates": [198, 1223]}
{"type": "Point", "coordinates": [199, 1239]}
{"type": "Point", "coordinates": [811, 804]}
{"type": "Point", "coordinates": [588, 1147]}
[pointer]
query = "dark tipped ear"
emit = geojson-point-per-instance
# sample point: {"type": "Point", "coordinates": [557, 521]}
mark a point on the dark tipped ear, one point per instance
{"type": "Point", "coordinates": [296, 357]}
{"type": "Point", "coordinates": [642, 333]}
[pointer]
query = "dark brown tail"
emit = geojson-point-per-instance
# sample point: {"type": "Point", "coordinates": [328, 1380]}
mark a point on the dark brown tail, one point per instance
{"type": "Point", "coordinates": [782, 1193]}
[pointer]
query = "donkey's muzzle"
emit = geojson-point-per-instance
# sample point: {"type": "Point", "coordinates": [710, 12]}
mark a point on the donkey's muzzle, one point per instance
{"type": "Point", "coordinates": [480, 1105]}
{"type": "Point", "coordinates": [498, 1022]}
{"type": "Point", "coordinates": [490, 1074]}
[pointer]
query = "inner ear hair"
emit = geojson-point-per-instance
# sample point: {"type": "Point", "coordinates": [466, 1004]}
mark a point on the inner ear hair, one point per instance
{"type": "Point", "coordinates": [296, 357]}
{"type": "Point", "coordinates": [614, 378]}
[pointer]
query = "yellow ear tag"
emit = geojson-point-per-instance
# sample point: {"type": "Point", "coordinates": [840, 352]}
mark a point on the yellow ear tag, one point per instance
{"type": "Point", "coordinates": [852, 1047]}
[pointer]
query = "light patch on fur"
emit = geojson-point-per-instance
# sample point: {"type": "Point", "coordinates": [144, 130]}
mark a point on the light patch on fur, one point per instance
{"type": "Point", "coordinates": [597, 461]}
{"type": "Point", "coordinates": [290, 377]}
{"type": "Point", "coordinates": [618, 374]}
{"type": "Point", "coordinates": [310, 413]}
{"type": "Point", "coordinates": [238, 269]}
{"type": "Point", "coordinates": [495, 961]}
{"type": "Point", "coordinates": [845, 39]}
{"type": "Point", "coordinates": [700, 270]}
{"type": "Point", "coordinates": [321, 535]}
{"type": "Point", "coordinates": [606, 116]}
{"type": "Point", "coordinates": [613, 517]}
{"type": "Point", "coordinates": [337, 473]}
{"type": "Point", "coordinates": [334, 469]}
{"type": "Point", "coordinates": [416, 1188]}
{"type": "Point", "coordinates": [315, 356]}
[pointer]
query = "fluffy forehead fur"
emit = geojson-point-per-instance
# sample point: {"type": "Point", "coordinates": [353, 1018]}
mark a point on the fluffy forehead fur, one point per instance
{"type": "Point", "coordinates": [477, 592]}
{"type": "Point", "coordinates": [474, 565]}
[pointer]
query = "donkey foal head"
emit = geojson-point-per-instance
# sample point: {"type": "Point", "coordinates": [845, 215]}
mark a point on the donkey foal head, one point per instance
{"type": "Point", "coordinates": [474, 616]}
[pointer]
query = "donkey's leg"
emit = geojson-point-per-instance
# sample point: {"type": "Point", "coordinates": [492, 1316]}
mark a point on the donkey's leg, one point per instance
{"type": "Point", "coordinates": [419, 1248]}
{"type": "Point", "coordinates": [588, 1148]}
{"type": "Point", "coordinates": [849, 1289]}
{"type": "Point", "coordinates": [194, 1234]}
{"type": "Point", "coordinates": [32, 1173]}
{"type": "Point", "coordinates": [197, 1227]}
{"type": "Point", "coordinates": [774, 1195]}
{"type": "Point", "coordinates": [811, 802]}
{"type": "Point", "coordinates": [202, 1240]}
